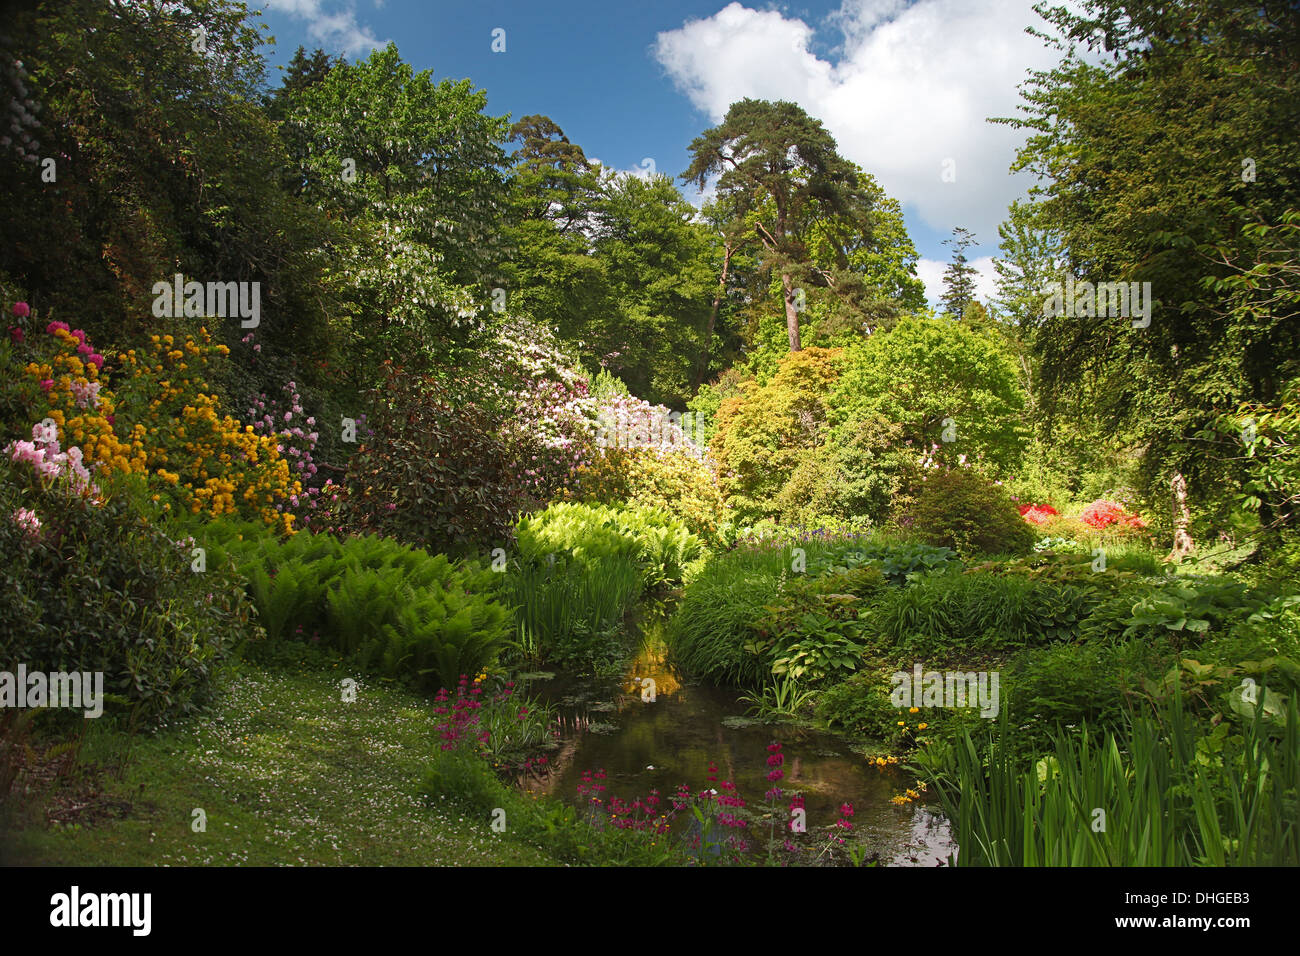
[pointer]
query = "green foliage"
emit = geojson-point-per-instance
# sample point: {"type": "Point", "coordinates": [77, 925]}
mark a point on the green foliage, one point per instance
{"type": "Point", "coordinates": [677, 483]}
{"type": "Point", "coordinates": [97, 587]}
{"type": "Point", "coordinates": [398, 611]}
{"type": "Point", "coordinates": [940, 613]}
{"type": "Point", "coordinates": [1174, 792]}
{"type": "Point", "coordinates": [411, 171]}
{"type": "Point", "coordinates": [436, 473]}
{"type": "Point", "coordinates": [663, 549]}
{"type": "Point", "coordinates": [1221, 269]}
{"type": "Point", "coordinates": [783, 697]}
{"type": "Point", "coordinates": [712, 634]}
{"type": "Point", "coordinates": [1077, 687]}
{"type": "Point", "coordinates": [765, 432]}
{"type": "Point", "coordinates": [166, 164]}
{"type": "Point", "coordinates": [580, 568]}
{"type": "Point", "coordinates": [811, 634]}
{"type": "Point", "coordinates": [963, 510]}
{"type": "Point", "coordinates": [821, 649]}
{"type": "Point", "coordinates": [779, 173]}
{"type": "Point", "coordinates": [950, 390]}
{"type": "Point", "coordinates": [899, 562]}
{"type": "Point", "coordinates": [1185, 610]}
{"type": "Point", "coordinates": [462, 777]}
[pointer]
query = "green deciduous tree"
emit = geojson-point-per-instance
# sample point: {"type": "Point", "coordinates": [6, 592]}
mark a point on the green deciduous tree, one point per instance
{"type": "Point", "coordinates": [951, 390]}
{"type": "Point", "coordinates": [413, 171]}
{"type": "Point", "coordinates": [1154, 164]}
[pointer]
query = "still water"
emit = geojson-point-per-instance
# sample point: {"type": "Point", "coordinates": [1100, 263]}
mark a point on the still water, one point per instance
{"type": "Point", "coordinates": [643, 745]}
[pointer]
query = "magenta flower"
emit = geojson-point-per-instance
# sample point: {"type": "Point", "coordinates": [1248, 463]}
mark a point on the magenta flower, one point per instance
{"type": "Point", "coordinates": [22, 310]}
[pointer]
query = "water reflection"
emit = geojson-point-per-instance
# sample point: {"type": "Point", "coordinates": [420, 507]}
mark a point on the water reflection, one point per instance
{"type": "Point", "coordinates": [641, 745]}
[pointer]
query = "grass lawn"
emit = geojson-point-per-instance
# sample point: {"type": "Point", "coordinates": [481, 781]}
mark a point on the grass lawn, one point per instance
{"type": "Point", "coordinates": [286, 773]}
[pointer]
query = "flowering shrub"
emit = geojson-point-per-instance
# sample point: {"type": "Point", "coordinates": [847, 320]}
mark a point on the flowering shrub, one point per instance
{"type": "Point", "coordinates": [92, 586]}
{"type": "Point", "coordinates": [50, 464]}
{"type": "Point", "coordinates": [1037, 514]}
{"type": "Point", "coordinates": [550, 418]}
{"type": "Point", "coordinates": [297, 444]}
{"type": "Point", "coordinates": [160, 418]}
{"type": "Point", "coordinates": [1103, 514]}
{"type": "Point", "coordinates": [214, 465]}
{"type": "Point", "coordinates": [64, 381]}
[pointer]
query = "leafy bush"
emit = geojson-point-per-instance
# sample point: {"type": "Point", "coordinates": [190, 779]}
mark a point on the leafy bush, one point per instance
{"type": "Point", "coordinates": [436, 473]}
{"type": "Point", "coordinates": [680, 484]}
{"type": "Point", "coordinates": [811, 633]}
{"type": "Point", "coordinates": [764, 432]}
{"type": "Point", "coordinates": [581, 567]}
{"type": "Point", "coordinates": [977, 609]}
{"type": "Point", "coordinates": [87, 586]}
{"type": "Point", "coordinates": [397, 610]}
{"type": "Point", "coordinates": [1070, 685]}
{"type": "Point", "coordinates": [899, 562]}
{"type": "Point", "coordinates": [961, 509]}
{"type": "Point", "coordinates": [924, 375]}
{"type": "Point", "coordinates": [1185, 609]}
{"type": "Point", "coordinates": [862, 705]}
{"type": "Point", "coordinates": [662, 547]}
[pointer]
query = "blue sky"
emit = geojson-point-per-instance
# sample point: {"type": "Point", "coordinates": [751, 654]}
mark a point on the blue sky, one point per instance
{"type": "Point", "coordinates": [905, 87]}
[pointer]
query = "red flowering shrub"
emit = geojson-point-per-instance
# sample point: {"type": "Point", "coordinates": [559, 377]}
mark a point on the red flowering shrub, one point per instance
{"type": "Point", "coordinates": [1038, 514]}
{"type": "Point", "coordinates": [1102, 514]}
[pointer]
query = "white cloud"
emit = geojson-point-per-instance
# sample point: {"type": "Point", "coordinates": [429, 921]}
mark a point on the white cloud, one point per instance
{"type": "Point", "coordinates": [910, 87]}
{"type": "Point", "coordinates": [335, 30]}
{"type": "Point", "coordinates": [930, 272]}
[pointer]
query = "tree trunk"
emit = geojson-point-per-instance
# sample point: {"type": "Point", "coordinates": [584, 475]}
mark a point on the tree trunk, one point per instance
{"type": "Point", "coordinates": [791, 313]}
{"type": "Point", "coordinates": [1183, 544]}
{"type": "Point", "coordinates": [703, 369]}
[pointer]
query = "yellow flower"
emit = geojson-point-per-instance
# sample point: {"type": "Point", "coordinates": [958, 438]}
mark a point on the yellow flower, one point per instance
{"type": "Point", "coordinates": [913, 710]}
{"type": "Point", "coordinates": [921, 726]}
{"type": "Point", "coordinates": [902, 723]}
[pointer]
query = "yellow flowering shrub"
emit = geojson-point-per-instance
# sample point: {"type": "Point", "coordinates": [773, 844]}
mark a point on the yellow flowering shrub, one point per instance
{"type": "Point", "coordinates": [161, 419]}
{"type": "Point", "coordinates": [210, 463]}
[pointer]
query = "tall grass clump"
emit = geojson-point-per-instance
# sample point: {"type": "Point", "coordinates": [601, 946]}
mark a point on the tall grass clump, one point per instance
{"type": "Point", "coordinates": [580, 568]}
{"type": "Point", "coordinates": [1173, 793]}
{"type": "Point", "coordinates": [713, 633]}
{"type": "Point", "coordinates": [944, 611]}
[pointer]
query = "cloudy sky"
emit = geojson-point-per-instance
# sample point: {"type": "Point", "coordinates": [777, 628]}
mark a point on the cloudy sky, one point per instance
{"type": "Point", "coordinates": [906, 88]}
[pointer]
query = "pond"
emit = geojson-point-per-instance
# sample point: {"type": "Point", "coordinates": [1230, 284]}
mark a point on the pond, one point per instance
{"type": "Point", "coordinates": [642, 745]}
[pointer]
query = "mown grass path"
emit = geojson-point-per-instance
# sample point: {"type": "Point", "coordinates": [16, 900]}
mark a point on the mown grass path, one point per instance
{"type": "Point", "coordinates": [286, 773]}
